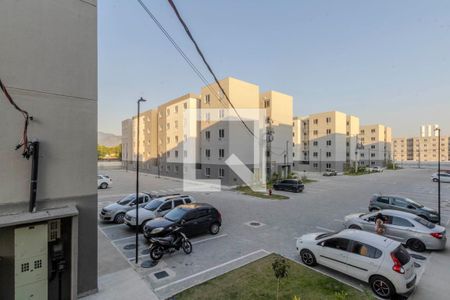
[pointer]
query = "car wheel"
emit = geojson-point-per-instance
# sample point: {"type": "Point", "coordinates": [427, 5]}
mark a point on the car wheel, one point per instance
{"type": "Point", "coordinates": [308, 258]}
{"type": "Point", "coordinates": [187, 246]}
{"type": "Point", "coordinates": [435, 180]}
{"type": "Point", "coordinates": [353, 226]}
{"type": "Point", "coordinates": [416, 245]}
{"type": "Point", "coordinates": [104, 185]}
{"type": "Point", "coordinates": [156, 252]}
{"type": "Point", "coordinates": [214, 228]}
{"type": "Point", "coordinates": [382, 287]}
{"type": "Point", "coordinates": [372, 209]}
{"type": "Point", "coordinates": [119, 218]}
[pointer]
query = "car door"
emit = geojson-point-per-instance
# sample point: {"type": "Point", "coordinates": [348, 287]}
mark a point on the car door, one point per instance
{"type": "Point", "coordinates": [363, 260]}
{"type": "Point", "coordinates": [368, 223]}
{"type": "Point", "coordinates": [164, 208]}
{"type": "Point", "coordinates": [400, 204]}
{"type": "Point", "coordinates": [445, 177]}
{"type": "Point", "coordinates": [333, 253]}
{"type": "Point", "coordinates": [190, 222]}
{"type": "Point", "coordinates": [383, 202]}
{"type": "Point", "coordinates": [399, 229]}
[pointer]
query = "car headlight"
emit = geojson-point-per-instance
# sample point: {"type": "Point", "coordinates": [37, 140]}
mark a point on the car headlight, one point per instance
{"type": "Point", "coordinates": [133, 220]}
{"type": "Point", "coordinates": [157, 230]}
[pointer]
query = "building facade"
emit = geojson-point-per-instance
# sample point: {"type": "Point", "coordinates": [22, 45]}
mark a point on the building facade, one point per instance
{"type": "Point", "coordinates": [48, 59]}
{"type": "Point", "coordinates": [421, 149]}
{"type": "Point", "coordinates": [377, 142]}
{"type": "Point", "coordinates": [325, 141]}
{"type": "Point", "coordinates": [196, 134]}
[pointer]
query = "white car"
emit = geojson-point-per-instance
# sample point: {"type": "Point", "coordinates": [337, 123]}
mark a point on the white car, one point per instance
{"type": "Point", "coordinates": [376, 169]}
{"type": "Point", "coordinates": [445, 177]}
{"type": "Point", "coordinates": [383, 263]}
{"type": "Point", "coordinates": [103, 181]}
{"type": "Point", "coordinates": [155, 208]}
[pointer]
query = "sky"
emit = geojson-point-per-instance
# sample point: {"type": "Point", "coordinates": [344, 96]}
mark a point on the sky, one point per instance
{"type": "Point", "coordinates": [384, 61]}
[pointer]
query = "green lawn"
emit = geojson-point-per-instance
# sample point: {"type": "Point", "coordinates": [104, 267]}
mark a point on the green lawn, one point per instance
{"type": "Point", "coordinates": [256, 281]}
{"type": "Point", "coordinates": [248, 191]}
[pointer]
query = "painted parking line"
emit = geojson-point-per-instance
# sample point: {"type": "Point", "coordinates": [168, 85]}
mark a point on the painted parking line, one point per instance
{"type": "Point", "coordinates": [107, 226]}
{"type": "Point", "coordinates": [211, 269]}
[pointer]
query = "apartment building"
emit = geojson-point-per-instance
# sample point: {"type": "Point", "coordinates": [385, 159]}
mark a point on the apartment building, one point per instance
{"type": "Point", "coordinates": [421, 149]}
{"type": "Point", "coordinates": [49, 66]}
{"type": "Point", "coordinates": [325, 141]}
{"type": "Point", "coordinates": [428, 130]}
{"type": "Point", "coordinates": [196, 134]}
{"type": "Point", "coordinates": [377, 142]}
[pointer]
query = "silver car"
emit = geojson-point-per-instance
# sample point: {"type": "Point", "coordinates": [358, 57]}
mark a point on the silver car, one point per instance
{"type": "Point", "coordinates": [116, 212]}
{"type": "Point", "coordinates": [413, 231]}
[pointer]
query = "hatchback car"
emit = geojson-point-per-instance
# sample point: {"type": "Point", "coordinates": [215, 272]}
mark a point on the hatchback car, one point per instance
{"type": "Point", "coordinates": [378, 202]}
{"type": "Point", "coordinates": [103, 181]}
{"type": "Point", "coordinates": [417, 233]}
{"type": "Point", "coordinates": [383, 263]}
{"type": "Point", "coordinates": [194, 218]}
{"type": "Point", "coordinates": [156, 208]}
{"type": "Point", "coordinates": [292, 185]}
{"type": "Point", "coordinates": [330, 172]}
{"type": "Point", "coordinates": [444, 177]}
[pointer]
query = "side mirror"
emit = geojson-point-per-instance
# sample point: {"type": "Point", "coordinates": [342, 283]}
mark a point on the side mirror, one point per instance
{"type": "Point", "coordinates": [183, 221]}
{"type": "Point", "coordinates": [411, 207]}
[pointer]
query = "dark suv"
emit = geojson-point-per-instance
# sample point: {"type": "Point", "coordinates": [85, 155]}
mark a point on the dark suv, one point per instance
{"type": "Point", "coordinates": [194, 218]}
{"type": "Point", "coordinates": [292, 185]}
{"type": "Point", "coordinates": [378, 202]}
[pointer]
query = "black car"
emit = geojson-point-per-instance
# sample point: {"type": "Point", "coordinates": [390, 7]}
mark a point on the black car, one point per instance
{"type": "Point", "coordinates": [292, 185]}
{"type": "Point", "coordinates": [194, 218]}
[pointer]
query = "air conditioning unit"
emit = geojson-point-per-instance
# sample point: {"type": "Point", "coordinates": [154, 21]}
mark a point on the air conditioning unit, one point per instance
{"type": "Point", "coordinates": [54, 230]}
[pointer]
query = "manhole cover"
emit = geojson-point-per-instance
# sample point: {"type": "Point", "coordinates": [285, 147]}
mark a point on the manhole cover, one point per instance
{"type": "Point", "coordinates": [161, 274]}
{"type": "Point", "coordinates": [145, 251]}
{"type": "Point", "coordinates": [417, 265]}
{"type": "Point", "coordinates": [149, 263]}
{"type": "Point", "coordinates": [129, 246]}
{"type": "Point", "coordinates": [254, 224]}
{"type": "Point", "coordinates": [417, 256]}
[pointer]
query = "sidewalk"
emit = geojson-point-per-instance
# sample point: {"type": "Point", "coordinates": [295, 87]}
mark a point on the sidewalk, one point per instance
{"type": "Point", "coordinates": [434, 282]}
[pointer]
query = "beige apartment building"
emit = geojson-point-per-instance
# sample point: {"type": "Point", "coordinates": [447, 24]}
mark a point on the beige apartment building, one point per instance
{"type": "Point", "coordinates": [325, 141]}
{"type": "Point", "coordinates": [194, 135]}
{"type": "Point", "coordinates": [377, 142]}
{"type": "Point", "coordinates": [421, 149]}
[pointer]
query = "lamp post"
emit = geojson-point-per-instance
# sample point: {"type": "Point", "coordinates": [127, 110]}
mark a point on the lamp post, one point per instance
{"type": "Point", "coordinates": [439, 174]}
{"type": "Point", "coordinates": [137, 176]}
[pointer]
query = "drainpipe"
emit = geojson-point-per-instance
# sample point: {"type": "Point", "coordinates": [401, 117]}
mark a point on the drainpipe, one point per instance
{"type": "Point", "coordinates": [34, 147]}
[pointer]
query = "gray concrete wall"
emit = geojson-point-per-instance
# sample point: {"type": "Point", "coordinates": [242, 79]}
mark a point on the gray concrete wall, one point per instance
{"type": "Point", "coordinates": [48, 59]}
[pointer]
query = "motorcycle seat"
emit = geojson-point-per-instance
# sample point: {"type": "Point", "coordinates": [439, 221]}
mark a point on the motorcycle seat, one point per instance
{"type": "Point", "coordinates": [165, 240]}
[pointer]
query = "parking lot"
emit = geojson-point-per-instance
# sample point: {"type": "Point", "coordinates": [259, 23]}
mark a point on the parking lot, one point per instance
{"type": "Point", "coordinates": [254, 227]}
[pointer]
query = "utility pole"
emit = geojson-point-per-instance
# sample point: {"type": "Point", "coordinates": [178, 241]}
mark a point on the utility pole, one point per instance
{"type": "Point", "coordinates": [439, 174]}
{"type": "Point", "coordinates": [137, 176]}
{"type": "Point", "coordinates": [369, 157]}
{"type": "Point", "coordinates": [287, 159]}
{"type": "Point", "coordinates": [320, 160]}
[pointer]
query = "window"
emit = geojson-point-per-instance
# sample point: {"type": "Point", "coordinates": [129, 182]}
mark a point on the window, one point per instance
{"type": "Point", "coordinates": [328, 120]}
{"type": "Point", "coordinates": [176, 153]}
{"type": "Point", "coordinates": [221, 153]}
{"type": "Point", "coordinates": [176, 109]}
{"type": "Point", "coordinates": [166, 206]}
{"type": "Point", "coordinates": [168, 140]}
{"type": "Point", "coordinates": [221, 113]}
{"type": "Point", "coordinates": [401, 222]}
{"type": "Point", "coordinates": [168, 112]}
{"type": "Point", "coordinates": [329, 143]}
{"type": "Point", "coordinates": [176, 123]}
{"type": "Point", "coordinates": [328, 154]}
{"type": "Point", "coordinates": [337, 243]}
{"type": "Point", "coordinates": [315, 143]}
{"type": "Point", "coordinates": [328, 166]}
{"type": "Point", "coordinates": [184, 153]}
{"type": "Point", "coordinates": [315, 165]}
{"type": "Point", "coordinates": [372, 146]}
{"type": "Point", "coordinates": [207, 134]}
{"type": "Point", "coordinates": [176, 169]}
{"type": "Point", "coordinates": [185, 105]}
{"type": "Point", "coordinates": [221, 172]}
{"type": "Point", "coordinates": [373, 130]}
{"type": "Point", "coordinates": [328, 131]}
{"type": "Point", "coordinates": [365, 250]}
{"type": "Point", "coordinates": [208, 117]}
{"type": "Point", "coordinates": [372, 139]}
{"type": "Point", "coordinates": [315, 154]}
{"type": "Point", "coordinates": [208, 172]}
{"type": "Point", "coordinates": [168, 154]}
{"type": "Point", "coordinates": [399, 202]}
{"type": "Point", "coordinates": [221, 133]}
{"type": "Point", "coordinates": [315, 132]}
{"type": "Point", "coordinates": [207, 99]}
{"type": "Point", "coordinates": [362, 154]}
{"type": "Point", "coordinates": [168, 125]}
{"type": "Point", "coordinates": [316, 121]}
{"type": "Point", "coordinates": [176, 139]}
{"type": "Point", "coordinates": [207, 153]}
{"type": "Point", "coordinates": [266, 103]}
{"type": "Point", "coordinates": [362, 131]}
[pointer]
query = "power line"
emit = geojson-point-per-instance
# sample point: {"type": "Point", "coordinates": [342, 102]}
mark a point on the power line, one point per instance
{"type": "Point", "coordinates": [177, 47]}
{"type": "Point", "coordinates": [188, 32]}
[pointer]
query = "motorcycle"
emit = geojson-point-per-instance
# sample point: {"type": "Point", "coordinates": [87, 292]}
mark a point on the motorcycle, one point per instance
{"type": "Point", "coordinates": [168, 244]}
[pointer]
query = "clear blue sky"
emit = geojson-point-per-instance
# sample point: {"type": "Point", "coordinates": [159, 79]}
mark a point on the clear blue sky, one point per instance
{"type": "Point", "coordinates": [384, 61]}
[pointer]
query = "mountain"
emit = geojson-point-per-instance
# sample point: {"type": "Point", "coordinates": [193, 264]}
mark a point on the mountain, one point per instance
{"type": "Point", "coordinates": [108, 139]}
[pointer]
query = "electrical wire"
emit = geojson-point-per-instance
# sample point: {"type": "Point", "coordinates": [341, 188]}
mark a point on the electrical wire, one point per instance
{"type": "Point", "coordinates": [26, 152]}
{"type": "Point", "coordinates": [188, 32]}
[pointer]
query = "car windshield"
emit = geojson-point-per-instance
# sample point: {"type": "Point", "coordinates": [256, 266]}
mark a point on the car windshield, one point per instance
{"type": "Point", "coordinates": [176, 214]}
{"type": "Point", "coordinates": [126, 200]}
{"type": "Point", "coordinates": [424, 222]}
{"type": "Point", "coordinates": [153, 205]}
{"type": "Point", "coordinates": [414, 203]}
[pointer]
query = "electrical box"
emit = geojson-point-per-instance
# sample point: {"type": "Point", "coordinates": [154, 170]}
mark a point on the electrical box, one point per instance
{"type": "Point", "coordinates": [31, 262]}
{"type": "Point", "coordinates": [54, 230]}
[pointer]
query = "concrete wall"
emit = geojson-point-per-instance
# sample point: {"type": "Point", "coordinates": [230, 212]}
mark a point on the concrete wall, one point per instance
{"type": "Point", "coordinates": [48, 59]}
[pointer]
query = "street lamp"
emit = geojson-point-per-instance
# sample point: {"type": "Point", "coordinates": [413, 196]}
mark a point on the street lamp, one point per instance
{"type": "Point", "coordinates": [137, 176]}
{"type": "Point", "coordinates": [439, 173]}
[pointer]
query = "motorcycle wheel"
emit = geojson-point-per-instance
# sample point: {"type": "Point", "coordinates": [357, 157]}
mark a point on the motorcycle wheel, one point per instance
{"type": "Point", "coordinates": [187, 246]}
{"type": "Point", "coordinates": [156, 252]}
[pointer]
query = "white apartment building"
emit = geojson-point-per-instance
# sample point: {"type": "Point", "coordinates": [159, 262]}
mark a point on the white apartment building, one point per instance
{"type": "Point", "coordinates": [377, 142]}
{"type": "Point", "coordinates": [196, 134]}
{"type": "Point", "coordinates": [429, 130]}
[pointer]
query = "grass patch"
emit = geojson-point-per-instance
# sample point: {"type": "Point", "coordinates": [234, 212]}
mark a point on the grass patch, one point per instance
{"type": "Point", "coordinates": [257, 281]}
{"type": "Point", "coordinates": [249, 192]}
{"type": "Point", "coordinates": [307, 180]}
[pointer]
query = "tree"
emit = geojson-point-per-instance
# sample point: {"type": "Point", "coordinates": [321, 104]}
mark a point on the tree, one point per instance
{"type": "Point", "coordinates": [280, 269]}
